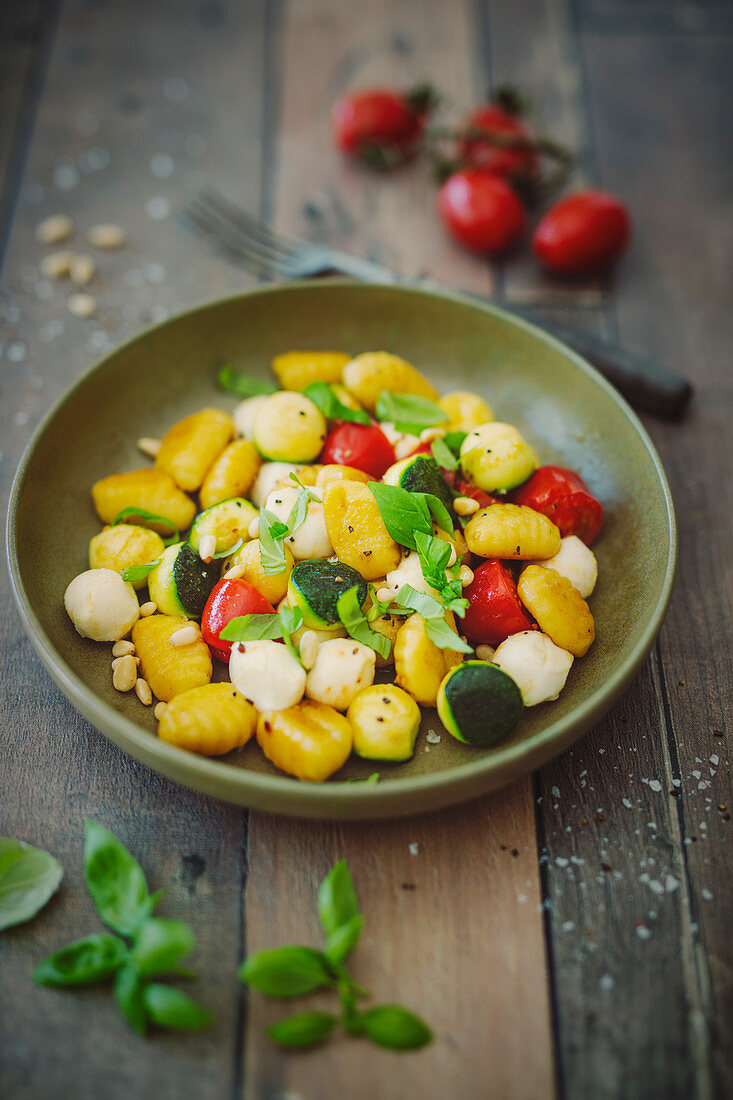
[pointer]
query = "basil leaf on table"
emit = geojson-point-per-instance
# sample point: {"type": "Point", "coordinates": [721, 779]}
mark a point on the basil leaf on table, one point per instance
{"type": "Point", "coordinates": [353, 618]}
{"type": "Point", "coordinates": [304, 1030]}
{"type": "Point", "coordinates": [342, 941]}
{"type": "Point", "coordinates": [409, 413]}
{"type": "Point", "coordinates": [91, 959]}
{"type": "Point", "coordinates": [231, 381]}
{"type": "Point", "coordinates": [286, 971]}
{"type": "Point", "coordinates": [116, 881]}
{"type": "Point", "coordinates": [150, 518]}
{"type": "Point", "coordinates": [321, 394]}
{"type": "Point", "coordinates": [171, 1007]}
{"type": "Point", "coordinates": [129, 997]}
{"type": "Point", "coordinates": [28, 878]}
{"type": "Point", "coordinates": [159, 944]}
{"type": "Point", "coordinates": [252, 628]}
{"type": "Point", "coordinates": [395, 1028]}
{"type": "Point", "coordinates": [337, 901]}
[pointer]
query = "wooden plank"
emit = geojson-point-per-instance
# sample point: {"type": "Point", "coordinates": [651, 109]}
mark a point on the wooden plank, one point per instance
{"type": "Point", "coordinates": [127, 117]}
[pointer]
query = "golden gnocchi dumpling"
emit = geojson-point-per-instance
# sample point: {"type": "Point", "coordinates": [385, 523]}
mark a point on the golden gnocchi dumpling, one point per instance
{"type": "Point", "coordinates": [385, 721]}
{"type": "Point", "coordinates": [288, 427]}
{"type": "Point", "coordinates": [334, 472]}
{"type": "Point", "coordinates": [420, 664]}
{"type": "Point", "coordinates": [357, 531]}
{"type": "Point", "coordinates": [295, 370]}
{"type": "Point", "coordinates": [309, 740]}
{"type": "Point", "coordinates": [189, 449]}
{"type": "Point", "coordinates": [170, 669]}
{"type": "Point", "coordinates": [232, 474]}
{"type": "Point", "coordinates": [210, 720]}
{"type": "Point", "coordinates": [123, 546]}
{"type": "Point", "coordinates": [560, 610]}
{"type": "Point", "coordinates": [368, 374]}
{"type": "Point", "coordinates": [246, 563]}
{"type": "Point", "coordinates": [495, 457]}
{"type": "Point", "coordinates": [465, 410]}
{"type": "Point", "coordinates": [153, 490]}
{"type": "Point", "coordinates": [512, 531]}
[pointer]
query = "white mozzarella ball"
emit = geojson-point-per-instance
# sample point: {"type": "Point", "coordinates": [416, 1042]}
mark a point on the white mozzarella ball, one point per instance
{"type": "Point", "coordinates": [244, 415]}
{"type": "Point", "coordinates": [269, 475]}
{"type": "Point", "coordinates": [538, 667]}
{"type": "Point", "coordinates": [101, 605]}
{"type": "Point", "coordinates": [575, 561]}
{"type": "Point", "coordinates": [409, 572]}
{"type": "Point", "coordinates": [342, 669]}
{"type": "Point", "coordinates": [310, 540]}
{"type": "Point", "coordinates": [267, 673]}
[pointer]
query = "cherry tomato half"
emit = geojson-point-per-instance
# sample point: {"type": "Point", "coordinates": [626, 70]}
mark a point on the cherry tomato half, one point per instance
{"type": "Point", "coordinates": [494, 608]}
{"type": "Point", "coordinates": [379, 123]}
{"type": "Point", "coordinates": [229, 599]}
{"type": "Point", "coordinates": [481, 210]}
{"type": "Point", "coordinates": [466, 489]}
{"type": "Point", "coordinates": [364, 446]}
{"type": "Point", "coordinates": [563, 497]}
{"type": "Point", "coordinates": [582, 232]}
{"type": "Point", "coordinates": [502, 160]}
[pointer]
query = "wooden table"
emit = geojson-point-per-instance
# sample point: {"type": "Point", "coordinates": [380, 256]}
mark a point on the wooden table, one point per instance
{"type": "Point", "coordinates": [568, 936]}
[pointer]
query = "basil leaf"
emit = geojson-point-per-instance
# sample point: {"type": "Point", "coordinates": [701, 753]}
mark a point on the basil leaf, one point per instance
{"type": "Point", "coordinates": [321, 394]}
{"type": "Point", "coordinates": [230, 551]}
{"type": "Point", "coordinates": [304, 1030]}
{"type": "Point", "coordinates": [129, 997]}
{"type": "Point", "coordinates": [443, 455]}
{"type": "Point", "coordinates": [298, 512]}
{"type": "Point", "coordinates": [138, 572]}
{"type": "Point", "coordinates": [395, 1028]}
{"type": "Point", "coordinates": [306, 488]}
{"type": "Point", "coordinates": [271, 534]}
{"type": "Point", "coordinates": [286, 971]}
{"type": "Point", "coordinates": [439, 512]}
{"type": "Point", "coordinates": [337, 902]}
{"type": "Point", "coordinates": [409, 413]}
{"type": "Point", "coordinates": [28, 878]}
{"type": "Point", "coordinates": [420, 602]}
{"type": "Point", "coordinates": [353, 618]}
{"type": "Point", "coordinates": [116, 881]}
{"type": "Point", "coordinates": [159, 944]}
{"type": "Point", "coordinates": [252, 628]}
{"type": "Point", "coordinates": [291, 619]}
{"type": "Point", "coordinates": [370, 780]}
{"type": "Point", "coordinates": [91, 959]}
{"type": "Point", "coordinates": [441, 635]}
{"type": "Point", "coordinates": [167, 1006]}
{"type": "Point", "coordinates": [231, 381]}
{"type": "Point", "coordinates": [343, 940]}
{"type": "Point", "coordinates": [150, 518]}
{"type": "Point", "coordinates": [403, 512]}
{"type": "Point", "coordinates": [454, 442]}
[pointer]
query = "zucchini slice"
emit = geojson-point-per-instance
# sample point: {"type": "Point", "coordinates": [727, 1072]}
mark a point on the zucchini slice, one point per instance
{"type": "Point", "coordinates": [227, 521]}
{"type": "Point", "coordinates": [479, 704]}
{"type": "Point", "coordinates": [181, 583]}
{"type": "Point", "coordinates": [315, 587]}
{"type": "Point", "coordinates": [421, 474]}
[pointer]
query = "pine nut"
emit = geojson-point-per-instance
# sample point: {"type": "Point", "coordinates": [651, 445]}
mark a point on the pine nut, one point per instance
{"type": "Point", "coordinates": [81, 305]}
{"type": "Point", "coordinates": [116, 661]}
{"type": "Point", "coordinates": [254, 528]}
{"type": "Point", "coordinates": [427, 435]}
{"type": "Point", "coordinates": [158, 712]}
{"type": "Point", "coordinates": [405, 446]}
{"type": "Point", "coordinates": [235, 572]}
{"type": "Point", "coordinates": [308, 648]}
{"type": "Point", "coordinates": [123, 649]}
{"type": "Point", "coordinates": [186, 635]}
{"type": "Point", "coordinates": [465, 576]}
{"type": "Point", "coordinates": [386, 595]}
{"type": "Point", "coordinates": [81, 269]}
{"type": "Point", "coordinates": [143, 692]}
{"type": "Point", "coordinates": [106, 236]}
{"type": "Point", "coordinates": [453, 556]}
{"type": "Point", "coordinates": [465, 506]}
{"type": "Point", "coordinates": [125, 673]}
{"type": "Point", "coordinates": [54, 229]}
{"type": "Point", "coordinates": [148, 608]}
{"type": "Point", "coordinates": [484, 652]}
{"type": "Point", "coordinates": [56, 264]}
{"type": "Point", "coordinates": [207, 548]}
{"type": "Point", "coordinates": [148, 446]}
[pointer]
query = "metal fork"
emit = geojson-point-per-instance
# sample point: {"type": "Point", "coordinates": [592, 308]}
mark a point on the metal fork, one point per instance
{"type": "Point", "coordinates": [276, 255]}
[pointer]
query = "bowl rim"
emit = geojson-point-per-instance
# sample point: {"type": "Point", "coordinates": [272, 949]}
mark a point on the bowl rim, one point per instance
{"type": "Point", "coordinates": [274, 793]}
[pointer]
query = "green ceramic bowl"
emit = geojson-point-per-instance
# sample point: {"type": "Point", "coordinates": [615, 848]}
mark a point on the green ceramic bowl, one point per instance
{"type": "Point", "coordinates": [572, 416]}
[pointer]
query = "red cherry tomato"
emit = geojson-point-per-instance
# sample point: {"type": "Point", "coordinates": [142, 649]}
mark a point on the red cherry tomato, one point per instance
{"type": "Point", "coordinates": [501, 160]}
{"type": "Point", "coordinates": [379, 123]}
{"type": "Point", "coordinates": [582, 232]}
{"type": "Point", "coordinates": [228, 599]}
{"type": "Point", "coordinates": [364, 446]}
{"type": "Point", "coordinates": [494, 608]}
{"type": "Point", "coordinates": [466, 489]}
{"type": "Point", "coordinates": [481, 210]}
{"type": "Point", "coordinates": [563, 497]}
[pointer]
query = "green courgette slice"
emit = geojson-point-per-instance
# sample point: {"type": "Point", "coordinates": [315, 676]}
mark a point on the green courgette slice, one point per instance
{"type": "Point", "coordinates": [479, 704]}
{"type": "Point", "coordinates": [227, 521]}
{"type": "Point", "coordinates": [315, 587]}
{"type": "Point", "coordinates": [422, 474]}
{"type": "Point", "coordinates": [182, 583]}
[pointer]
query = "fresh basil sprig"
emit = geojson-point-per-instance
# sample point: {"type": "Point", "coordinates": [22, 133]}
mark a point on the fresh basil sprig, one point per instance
{"type": "Point", "coordinates": [357, 626]}
{"type": "Point", "coordinates": [120, 891]}
{"type": "Point", "coordinates": [229, 551]}
{"type": "Point", "coordinates": [272, 533]}
{"type": "Point", "coordinates": [443, 455]}
{"type": "Point", "coordinates": [135, 573]}
{"type": "Point", "coordinates": [404, 512]}
{"type": "Point", "coordinates": [434, 555]}
{"type": "Point", "coordinates": [433, 613]}
{"type": "Point", "coordinates": [28, 879]}
{"type": "Point", "coordinates": [409, 413]}
{"type": "Point", "coordinates": [149, 517]}
{"type": "Point", "coordinates": [322, 395]}
{"type": "Point", "coordinates": [231, 381]}
{"type": "Point", "coordinates": [294, 971]}
{"type": "Point", "coordinates": [258, 627]}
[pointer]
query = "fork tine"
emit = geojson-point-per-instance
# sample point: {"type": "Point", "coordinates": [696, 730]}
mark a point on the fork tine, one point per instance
{"type": "Point", "coordinates": [285, 243]}
{"type": "Point", "coordinates": [248, 253]}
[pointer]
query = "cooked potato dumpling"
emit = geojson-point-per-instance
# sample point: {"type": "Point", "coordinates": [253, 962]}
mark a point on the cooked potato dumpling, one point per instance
{"type": "Point", "coordinates": [357, 531]}
{"type": "Point", "coordinates": [385, 721]}
{"type": "Point", "coordinates": [123, 546]}
{"type": "Point", "coordinates": [247, 564]}
{"type": "Point", "coordinates": [373, 371]}
{"type": "Point", "coordinates": [295, 370]}
{"type": "Point", "coordinates": [333, 472]}
{"type": "Point", "coordinates": [419, 664]}
{"type": "Point", "coordinates": [512, 531]}
{"type": "Point", "coordinates": [190, 447]}
{"type": "Point", "coordinates": [232, 474]}
{"type": "Point", "coordinates": [210, 720]}
{"type": "Point", "coordinates": [101, 605]}
{"type": "Point", "coordinates": [153, 490]}
{"type": "Point", "coordinates": [465, 410]}
{"type": "Point", "coordinates": [560, 610]}
{"type": "Point", "coordinates": [310, 740]}
{"type": "Point", "coordinates": [495, 457]}
{"type": "Point", "coordinates": [343, 667]}
{"type": "Point", "coordinates": [289, 428]}
{"type": "Point", "coordinates": [169, 669]}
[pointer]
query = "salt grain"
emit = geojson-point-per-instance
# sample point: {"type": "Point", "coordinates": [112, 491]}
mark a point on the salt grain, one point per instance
{"type": "Point", "coordinates": [413, 849]}
{"type": "Point", "coordinates": [433, 737]}
{"type": "Point", "coordinates": [606, 982]}
{"type": "Point", "coordinates": [643, 932]}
